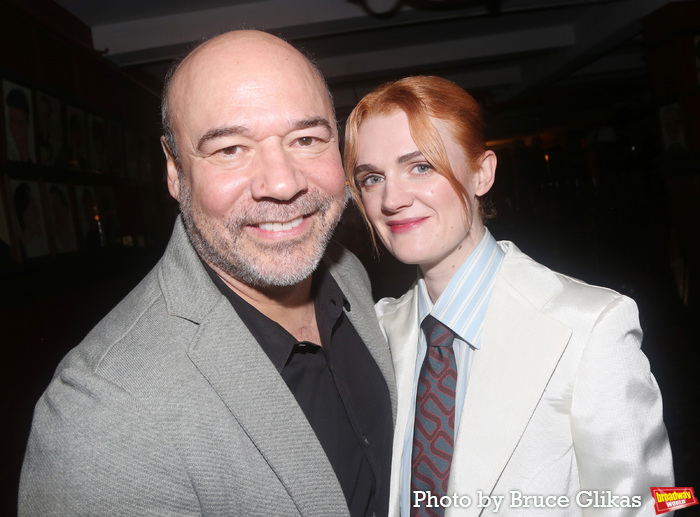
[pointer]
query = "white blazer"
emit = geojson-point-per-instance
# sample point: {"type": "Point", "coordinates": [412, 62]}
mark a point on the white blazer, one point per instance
{"type": "Point", "coordinates": [560, 400]}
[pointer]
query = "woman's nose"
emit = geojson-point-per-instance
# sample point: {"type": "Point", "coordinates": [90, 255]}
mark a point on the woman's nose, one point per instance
{"type": "Point", "coordinates": [395, 196]}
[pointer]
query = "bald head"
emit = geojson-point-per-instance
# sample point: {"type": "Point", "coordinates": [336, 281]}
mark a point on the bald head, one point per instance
{"type": "Point", "coordinates": [244, 58]}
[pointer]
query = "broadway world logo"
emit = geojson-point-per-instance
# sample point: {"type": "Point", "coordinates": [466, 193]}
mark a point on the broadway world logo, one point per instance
{"type": "Point", "coordinates": [672, 498]}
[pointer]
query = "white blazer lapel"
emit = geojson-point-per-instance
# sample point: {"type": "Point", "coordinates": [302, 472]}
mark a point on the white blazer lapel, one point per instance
{"type": "Point", "coordinates": [401, 330]}
{"type": "Point", "coordinates": [521, 346]}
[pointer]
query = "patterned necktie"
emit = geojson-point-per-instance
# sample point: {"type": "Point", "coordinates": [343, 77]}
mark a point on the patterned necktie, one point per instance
{"type": "Point", "coordinates": [433, 432]}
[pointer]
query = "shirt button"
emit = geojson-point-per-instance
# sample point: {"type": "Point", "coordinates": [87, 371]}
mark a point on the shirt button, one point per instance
{"type": "Point", "coordinates": [365, 439]}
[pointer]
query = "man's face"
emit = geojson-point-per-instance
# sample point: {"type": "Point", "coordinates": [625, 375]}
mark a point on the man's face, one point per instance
{"type": "Point", "coordinates": [261, 185]}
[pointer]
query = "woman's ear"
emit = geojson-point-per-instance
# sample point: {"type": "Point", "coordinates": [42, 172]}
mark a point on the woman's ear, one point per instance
{"type": "Point", "coordinates": [486, 174]}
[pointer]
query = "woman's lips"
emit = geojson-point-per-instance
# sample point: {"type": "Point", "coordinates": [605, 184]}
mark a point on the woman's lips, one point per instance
{"type": "Point", "coordinates": [405, 225]}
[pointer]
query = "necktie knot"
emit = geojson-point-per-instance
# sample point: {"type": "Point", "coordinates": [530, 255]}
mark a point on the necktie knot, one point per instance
{"type": "Point", "coordinates": [436, 333]}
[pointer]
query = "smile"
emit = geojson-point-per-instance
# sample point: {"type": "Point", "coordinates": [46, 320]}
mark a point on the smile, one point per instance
{"type": "Point", "coordinates": [405, 225]}
{"type": "Point", "coordinates": [281, 227]}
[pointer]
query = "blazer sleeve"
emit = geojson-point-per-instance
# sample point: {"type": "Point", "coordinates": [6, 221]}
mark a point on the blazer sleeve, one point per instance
{"type": "Point", "coordinates": [95, 450]}
{"type": "Point", "coordinates": [619, 437]}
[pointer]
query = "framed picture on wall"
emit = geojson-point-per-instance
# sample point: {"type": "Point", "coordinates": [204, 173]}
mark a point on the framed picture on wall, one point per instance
{"type": "Point", "coordinates": [61, 218]}
{"type": "Point", "coordinates": [49, 131]}
{"type": "Point", "coordinates": [76, 139]}
{"type": "Point", "coordinates": [29, 218]}
{"type": "Point", "coordinates": [19, 128]}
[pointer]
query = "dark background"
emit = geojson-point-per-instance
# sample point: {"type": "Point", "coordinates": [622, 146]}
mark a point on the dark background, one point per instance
{"type": "Point", "coordinates": [588, 184]}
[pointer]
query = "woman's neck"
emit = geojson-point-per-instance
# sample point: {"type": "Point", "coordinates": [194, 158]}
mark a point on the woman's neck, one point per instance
{"type": "Point", "coordinates": [439, 274]}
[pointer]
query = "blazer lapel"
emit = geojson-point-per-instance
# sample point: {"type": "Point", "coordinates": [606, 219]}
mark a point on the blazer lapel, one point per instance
{"type": "Point", "coordinates": [240, 372]}
{"type": "Point", "coordinates": [229, 358]}
{"type": "Point", "coordinates": [402, 331]}
{"type": "Point", "coordinates": [521, 347]}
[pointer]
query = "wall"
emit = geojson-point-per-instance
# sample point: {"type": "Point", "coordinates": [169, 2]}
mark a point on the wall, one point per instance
{"type": "Point", "coordinates": [84, 211]}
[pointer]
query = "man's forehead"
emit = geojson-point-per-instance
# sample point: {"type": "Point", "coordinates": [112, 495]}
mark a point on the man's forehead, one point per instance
{"type": "Point", "coordinates": [243, 57]}
{"type": "Point", "coordinates": [254, 107]}
{"type": "Point", "coordinates": [257, 74]}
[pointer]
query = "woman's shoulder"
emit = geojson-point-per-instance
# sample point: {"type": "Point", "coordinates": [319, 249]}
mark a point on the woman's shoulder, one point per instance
{"type": "Point", "coordinates": [388, 306]}
{"type": "Point", "coordinates": [547, 289]}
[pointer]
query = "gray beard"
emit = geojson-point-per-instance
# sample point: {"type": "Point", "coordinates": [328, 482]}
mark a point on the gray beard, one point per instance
{"type": "Point", "coordinates": [288, 263]}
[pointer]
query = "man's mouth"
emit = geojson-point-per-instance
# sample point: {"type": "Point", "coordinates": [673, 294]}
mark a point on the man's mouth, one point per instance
{"type": "Point", "coordinates": [281, 227]}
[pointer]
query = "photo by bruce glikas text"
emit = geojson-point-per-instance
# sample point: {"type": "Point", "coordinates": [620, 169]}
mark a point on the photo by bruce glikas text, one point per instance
{"type": "Point", "coordinates": [516, 499]}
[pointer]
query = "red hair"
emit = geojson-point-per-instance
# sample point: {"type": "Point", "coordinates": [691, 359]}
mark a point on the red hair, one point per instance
{"type": "Point", "coordinates": [422, 98]}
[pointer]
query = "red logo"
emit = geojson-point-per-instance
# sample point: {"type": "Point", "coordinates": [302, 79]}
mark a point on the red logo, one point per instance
{"type": "Point", "coordinates": [672, 498]}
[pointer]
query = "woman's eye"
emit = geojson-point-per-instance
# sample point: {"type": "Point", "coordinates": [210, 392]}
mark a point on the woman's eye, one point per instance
{"type": "Point", "coordinates": [423, 168]}
{"type": "Point", "coordinates": [369, 181]}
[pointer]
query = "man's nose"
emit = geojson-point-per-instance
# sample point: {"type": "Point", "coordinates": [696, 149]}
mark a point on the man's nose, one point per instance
{"type": "Point", "coordinates": [279, 177]}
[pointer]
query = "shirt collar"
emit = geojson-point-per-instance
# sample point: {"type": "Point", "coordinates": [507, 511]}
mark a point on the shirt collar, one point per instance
{"type": "Point", "coordinates": [278, 344]}
{"type": "Point", "coordinates": [462, 305]}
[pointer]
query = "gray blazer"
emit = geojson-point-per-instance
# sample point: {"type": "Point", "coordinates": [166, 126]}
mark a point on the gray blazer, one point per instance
{"type": "Point", "coordinates": [170, 407]}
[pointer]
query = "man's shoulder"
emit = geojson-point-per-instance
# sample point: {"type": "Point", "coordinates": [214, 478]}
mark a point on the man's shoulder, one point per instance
{"type": "Point", "coordinates": [153, 324]}
{"type": "Point", "coordinates": [141, 317]}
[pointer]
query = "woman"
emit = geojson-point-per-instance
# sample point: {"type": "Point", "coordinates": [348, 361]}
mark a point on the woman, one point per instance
{"type": "Point", "coordinates": [525, 390]}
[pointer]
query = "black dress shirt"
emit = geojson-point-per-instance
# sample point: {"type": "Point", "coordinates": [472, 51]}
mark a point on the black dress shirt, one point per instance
{"type": "Point", "coordinates": [338, 386]}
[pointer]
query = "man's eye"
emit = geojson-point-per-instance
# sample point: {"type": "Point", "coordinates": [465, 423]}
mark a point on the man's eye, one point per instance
{"type": "Point", "coordinates": [306, 141]}
{"type": "Point", "coordinates": [231, 150]}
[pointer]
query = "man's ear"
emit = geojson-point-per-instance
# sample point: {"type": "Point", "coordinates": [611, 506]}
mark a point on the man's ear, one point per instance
{"type": "Point", "coordinates": [486, 174]}
{"type": "Point", "coordinates": [173, 175]}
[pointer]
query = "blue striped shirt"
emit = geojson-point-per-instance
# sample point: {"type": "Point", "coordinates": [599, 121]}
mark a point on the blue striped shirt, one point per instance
{"type": "Point", "coordinates": [462, 307]}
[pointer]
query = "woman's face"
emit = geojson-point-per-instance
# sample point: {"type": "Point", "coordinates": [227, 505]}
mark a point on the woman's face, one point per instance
{"type": "Point", "coordinates": [414, 210]}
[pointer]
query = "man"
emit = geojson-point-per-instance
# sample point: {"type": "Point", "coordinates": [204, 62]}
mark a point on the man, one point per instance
{"type": "Point", "coordinates": [206, 391]}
